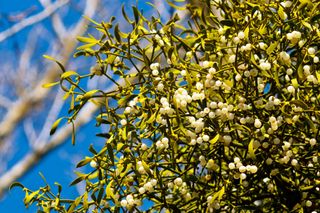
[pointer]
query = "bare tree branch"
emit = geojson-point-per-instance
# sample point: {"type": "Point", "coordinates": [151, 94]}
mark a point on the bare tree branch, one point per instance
{"type": "Point", "coordinates": [32, 20]}
{"type": "Point", "coordinates": [57, 23]}
{"type": "Point", "coordinates": [29, 130]}
{"type": "Point", "coordinates": [5, 102]}
{"type": "Point", "coordinates": [59, 27]}
{"type": "Point", "coordinates": [23, 105]}
{"type": "Point", "coordinates": [52, 115]}
{"type": "Point", "coordinates": [161, 7]}
{"type": "Point", "coordinates": [31, 159]}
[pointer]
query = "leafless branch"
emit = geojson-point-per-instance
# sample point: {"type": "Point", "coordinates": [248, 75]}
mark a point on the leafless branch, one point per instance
{"type": "Point", "coordinates": [5, 102]}
{"type": "Point", "coordinates": [31, 159]}
{"type": "Point", "coordinates": [32, 19]}
{"type": "Point", "coordinates": [161, 7]}
{"type": "Point", "coordinates": [22, 106]}
{"type": "Point", "coordinates": [52, 115]}
{"type": "Point", "coordinates": [57, 23]}
{"type": "Point", "coordinates": [29, 130]}
{"type": "Point", "coordinates": [59, 27]}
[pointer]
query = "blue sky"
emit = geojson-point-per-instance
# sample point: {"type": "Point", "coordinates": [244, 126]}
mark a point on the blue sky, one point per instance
{"type": "Point", "coordinates": [57, 166]}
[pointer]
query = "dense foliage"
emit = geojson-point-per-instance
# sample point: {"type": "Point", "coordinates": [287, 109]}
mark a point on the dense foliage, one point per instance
{"type": "Point", "coordinates": [216, 112]}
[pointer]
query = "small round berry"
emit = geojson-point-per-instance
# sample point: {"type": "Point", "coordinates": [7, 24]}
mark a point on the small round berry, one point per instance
{"type": "Point", "coordinates": [291, 89]}
{"type": "Point", "coordinates": [257, 123]}
{"type": "Point", "coordinates": [178, 181]}
{"type": "Point", "coordinates": [308, 203]}
{"type": "Point", "coordinates": [93, 164]}
{"type": "Point", "coordinates": [123, 122]}
{"type": "Point", "coordinates": [124, 203]}
{"type": "Point", "coordinates": [232, 166]}
{"type": "Point", "coordinates": [243, 176]}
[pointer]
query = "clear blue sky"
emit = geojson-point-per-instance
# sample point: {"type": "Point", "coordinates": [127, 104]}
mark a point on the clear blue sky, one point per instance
{"type": "Point", "coordinates": [57, 166]}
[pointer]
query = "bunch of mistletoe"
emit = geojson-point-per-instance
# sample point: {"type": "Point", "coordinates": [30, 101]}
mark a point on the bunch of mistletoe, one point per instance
{"type": "Point", "coordinates": [218, 112]}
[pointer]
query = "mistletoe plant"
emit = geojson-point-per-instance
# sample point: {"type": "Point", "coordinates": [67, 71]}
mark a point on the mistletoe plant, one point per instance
{"type": "Point", "coordinates": [218, 112]}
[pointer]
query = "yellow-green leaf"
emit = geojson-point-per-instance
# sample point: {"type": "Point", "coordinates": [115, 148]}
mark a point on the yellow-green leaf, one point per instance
{"type": "Point", "coordinates": [295, 83]}
{"type": "Point", "coordinates": [109, 190]}
{"type": "Point", "coordinates": [85, 201]}
{"type": "Point", "coordinates": [87, 40]}
{"type": "Point", "coordinates": [281, 13]}
{"type": "Point", "coordinates": [215, 139]}
{"type": "Point", "coordinates": [68, 74]}
{"type": "Point", "coordinates": [55, 125]}
{"type": "Point", "coordinates": [218, 195]}
{"type": "Point", "coordinates": [29, 197]}
{"type": "Point", "coordinates": [90, 93]}
{"type": "Point", "coordinates": [272, 47]}
{"type": "Point", "coordinates": [119, 146]}
{"type": "Point", "coordinates": [48, 85]}
{"type": "Point", "coordinates": [251, 149]}
{"type": "Point", "coordinates": [151, 119]}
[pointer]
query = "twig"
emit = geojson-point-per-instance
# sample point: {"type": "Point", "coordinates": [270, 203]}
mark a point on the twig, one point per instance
{"type": "Point", "coordinates": [52, 115]}
{"type": "Point", "coordinates": [31, 159]}
{"type": "Point", "coordinates": [32, 20]}
{"type": "Point", "coordinates": [29, 130]}
{"type": "Point", "coordinates": [5, 102]}
{"type": "Point", "coordinates": [23, 106]}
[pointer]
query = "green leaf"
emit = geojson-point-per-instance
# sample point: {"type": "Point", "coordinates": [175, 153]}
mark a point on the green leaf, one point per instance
{"type": "Point", "coordinates": [91, 149]}
{"type": "Point", "coordinates": [89, 94]}
{"type": "Point", "coordinates": [109, 190]}
{"type": "Point", "coordinates": [86, 47]}
{"type": "Point", "coordinates": [306, 24]}
{"type": "Point", "coordinates": [246, 32]}
{"type": "Point", "coordinates": [16, 184]}
{"type": "Point", "coordinates": [77, 180]}
{"type": "Point", "coordinates": [87, 40]}
{"type": "Point", "coordinates": [215, 139]}
{"type": "Point", "coordinates": [100, 194]}
{"type": "Point", "coordinates": [52, 59]}
{"type": "Point", "coordinates": [218, 195]}
{"type": "Point", "coordinates": [48, 85]}
{"type": "Point", "coordinates": [300, 72]}
{"type": "Point", "coordinates": [59, 187]}
{"type": "Point", "coordinates": [315, 18]}
{"type": "Point", "coordinates": [85, 200]}
{"type": "Point", "coordinates": [318, 75]}
{"type": "Point", "coordinates": [74, 205]}
{"type": "Point", "coordinates": [55, 125]}
{"type": "Point", "coordinates": [116, 33]}
{"type": "Point", "coordinates": [29, 197]}
{"type": "Point", "coordinates": [262, 29]}
{"type": "Point", "coordinates": [73, 135]}
{"type": "Point", "coordinates": [227, 22]}
{"type": "Point", "coordinates": [176, 7]}
{"type": "Point", "coordinates": [84, 162]}
{"type": "Point", "coordinates": [311, 124]}
{"type": "Point", "coordinates": [281, 13]}
{"type": "Point", "coordinates": [152, 118]}
{"type": "Point", "coordinates": [43, 178]}
{"type": "Point", "coordinates": [136, 14]}
{"type": "Point", "coordinates": [125, 15]}
{"type": "Point", "coordinates": [91, 20]}
{"type": "Point", "coordinates": [251, 149]}
{"type": "Point", "coordinates": [295, 83]}
{"type": "Point", "coordinates": [68, 74]}
{"type": "Point", "coordinates": [300, 103]}
{"type": "Point", "coordinates": [272, 47]}
{"type": "Point", "coordinates": [110, 152]}
{"type": "Point", "coordinates": [119, 146]}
